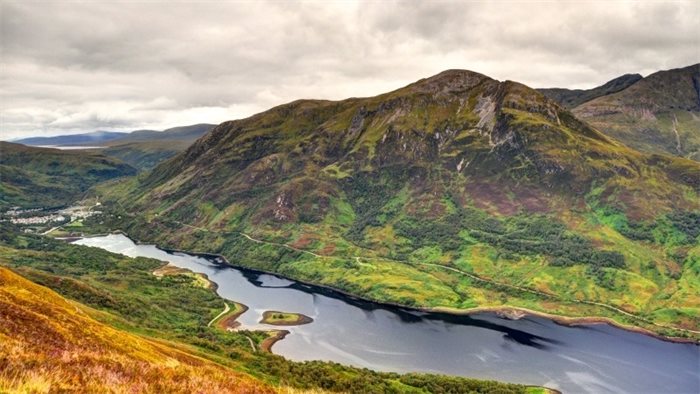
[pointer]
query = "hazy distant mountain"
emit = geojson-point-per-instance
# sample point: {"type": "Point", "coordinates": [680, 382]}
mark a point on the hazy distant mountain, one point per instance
{"type": "Point", "coordinates": [659, 113]}
{"type": "Point", "coordinates": [182, 133]}
{"type": "Point", "coordinates": [570, 98]}
{"type": "Point", "coordinates": [142, 149]}
{"type": "Point", "coordinates": [94, 138]}
{"type": "Point", "coordinates": [102, 138]}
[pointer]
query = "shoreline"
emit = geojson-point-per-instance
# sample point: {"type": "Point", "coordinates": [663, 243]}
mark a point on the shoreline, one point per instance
{"type": "Point", "coordinates": [506, 312]}
{"type": "Point", "coordinates": [267, 343]}
{"type": "Point", "coordinates": [229, 321]}
{"type": "Point", "coordinates": [502, 311]}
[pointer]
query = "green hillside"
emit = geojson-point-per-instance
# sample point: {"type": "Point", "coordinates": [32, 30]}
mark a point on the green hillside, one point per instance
{"type": "Point", "coordinates": [455, 192]}
{"type": "Point", "coordinates": [658, 114]}
{"type": "Point", "coordinates": [40, 177]}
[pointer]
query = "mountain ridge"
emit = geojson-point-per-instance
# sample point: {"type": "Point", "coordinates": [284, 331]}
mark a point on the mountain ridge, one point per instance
{"type": "Point", "coordinates": [94, 137]}
{"type": "Point", "coordinates": [571, 98]}
{"type": "Point", "coordinates": [189, 132]}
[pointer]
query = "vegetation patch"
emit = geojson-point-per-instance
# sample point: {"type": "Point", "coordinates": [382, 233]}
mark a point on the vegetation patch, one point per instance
{"type": "Point", "coordinates": [277, 318]}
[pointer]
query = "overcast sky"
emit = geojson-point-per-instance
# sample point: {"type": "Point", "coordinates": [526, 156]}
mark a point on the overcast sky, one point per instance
{"type": "Point", "coordinates": [77, 66]}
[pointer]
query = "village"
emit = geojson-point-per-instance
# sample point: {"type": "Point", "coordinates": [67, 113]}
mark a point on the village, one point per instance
{"type": "Point", "coordinates": [37, 219]}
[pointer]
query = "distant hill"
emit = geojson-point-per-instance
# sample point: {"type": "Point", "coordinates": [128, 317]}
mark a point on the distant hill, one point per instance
{"type": "Point", "coordinates": [145, 155]}
{"type": "Point", "coordinates": [41, 177]}
{"type": "Point", "coordinates": [659, 113]}
{"type": "Point", "coordinates": [570, 98]}
{"type": "Point", "coordinates": [94, 138]}
{"type": "Point", "coordinates": [183, 133]}
{"type": "Point", "coordinates": [144, 149]}
{"type": "Point", "coordinates": [103, 138]}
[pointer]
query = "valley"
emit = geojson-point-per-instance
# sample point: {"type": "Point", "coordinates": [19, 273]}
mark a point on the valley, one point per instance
{"type": "Point", "coordinates": [351, 197]}
{"type": "Point", "coordinates": [459, 225]}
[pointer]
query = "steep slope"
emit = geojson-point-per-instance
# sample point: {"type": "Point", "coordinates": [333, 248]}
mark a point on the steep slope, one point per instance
{"type": "Point", "coordinates": [50, 344]}
{"type": "Point", "coordinates": [456, 191]}
{"type": "Point", "coordinates": [40, 177]}
{"type": "Point", "coordinates": [95, 138]}
{"type": "Point", "coordinates": [659, 113]}
{"type": "Point", "coordinates": [570, 98]}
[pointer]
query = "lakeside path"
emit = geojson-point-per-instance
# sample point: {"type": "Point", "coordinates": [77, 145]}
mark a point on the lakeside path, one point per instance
{"type": "Point", "coordinates": [226, 309]}
{"type": "Point", "coordinates": [472, 276]}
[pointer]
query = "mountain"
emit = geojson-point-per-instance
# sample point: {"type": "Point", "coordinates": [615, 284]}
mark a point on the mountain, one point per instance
{"type": "Point", "coordinates": [43, 177]}
{"type": "Point", "coordinates": [93, 138]}
{"type": "Point", "coordinates": [571, 98]}
{"type": "Point", "coordinates": [454, 192]}
{"type": "Point", "coordinates": [659, 113]}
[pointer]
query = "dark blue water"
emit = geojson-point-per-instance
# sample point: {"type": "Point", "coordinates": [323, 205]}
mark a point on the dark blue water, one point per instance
{"type": "Point", "coordinates": [592, 358]}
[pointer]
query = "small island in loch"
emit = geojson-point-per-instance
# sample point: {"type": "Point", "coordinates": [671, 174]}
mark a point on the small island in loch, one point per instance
{"type": "Point", "coordinates": [277, 318]}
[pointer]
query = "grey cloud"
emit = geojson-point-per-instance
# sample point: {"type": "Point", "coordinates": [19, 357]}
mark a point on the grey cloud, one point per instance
{"type": "Point", "coordinates": [79, 66]}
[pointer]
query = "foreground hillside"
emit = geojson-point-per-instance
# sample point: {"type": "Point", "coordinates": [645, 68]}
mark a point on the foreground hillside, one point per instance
{"type": "Point", "coordinates": [41, 177]}
{"type": "Point", "coordinates": [659, 113]}
{"type": "Point", "coordinates": [455, 192]}
{"type": "Point", "coordinates": [51, 344]}
{"type": "Point", "coordinates": [124, 317]}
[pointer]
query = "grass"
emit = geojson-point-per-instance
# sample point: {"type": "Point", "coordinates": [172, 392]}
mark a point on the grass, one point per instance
{"type": "Point", "coordinates": [51, 345]}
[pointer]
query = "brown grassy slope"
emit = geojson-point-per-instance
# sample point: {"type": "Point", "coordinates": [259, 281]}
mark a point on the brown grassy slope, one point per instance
{"type": "Point", "coordinates": [48, 344]}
